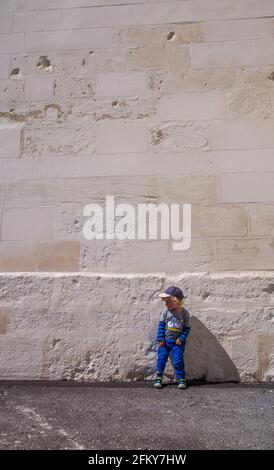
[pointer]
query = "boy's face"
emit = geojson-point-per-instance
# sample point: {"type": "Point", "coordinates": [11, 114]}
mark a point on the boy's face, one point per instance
{"type": "Point", "coordinates": [172, 302]}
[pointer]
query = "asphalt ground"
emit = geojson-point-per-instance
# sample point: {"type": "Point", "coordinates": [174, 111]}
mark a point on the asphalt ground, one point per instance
{"type": "Point", "coordinates": [105, 416]}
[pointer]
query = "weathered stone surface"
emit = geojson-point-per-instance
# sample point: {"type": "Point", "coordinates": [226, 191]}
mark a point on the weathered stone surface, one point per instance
{"type": "Point", "coordinates": [39, 256]}
{"type": "Point", "coordinates": [39, 89]}
{"type": "Point", "coordinates": [193, 80]}
{"type": "Point", "coordinates": [248, 187]}
{"type": "Point", "coordinates": [252, 253]}
{"type": "Point", "coordinates": [261, 220]}
{"type": "Point", "coordinates": [163, 58]}
{"type": "Point", "coordinates": [11, 90]}
{"type": "Point", "coordinates": [175, 136]}
{"type": "Point", "coordinates": [4, 311]}
{"type": "Point", "coordinates": [121, 84]}
{"type": "Point", "coordinates": [237, 29]}
{"type": "Point", "coordinates": [146, 36]}
{"type": "Point", "coordinates": [59, 324]}
{"type": "Point", "coordinates": [234, 221]}
{"type": "Point", "coordinates": [251, 104]}
{"type": "Point", "coordinates": [10, 140]}
{"type": "Point", "coordinates": [213, 9]}
{"type": "Point", "coordinates": [66, 40]}
{"type": "Point", "coordinates": [192, 106]}
{"type": "Point", "coordinates": [139, 256]}
{"type": "Point", "coordinates": [221, 54]}
{"type": "Point", "coordinates": [241, 134]}
{"type": "Point", "coordinates": [31, 193]}
{"type": "Point", "coordinates": [28, 224]}
{"type": "Point", "coordinates": [119, 137]}
{"type": "Point", "coordinates": [150, 102]}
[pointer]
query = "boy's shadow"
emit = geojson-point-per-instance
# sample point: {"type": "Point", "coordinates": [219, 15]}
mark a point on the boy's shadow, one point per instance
{"type": "Point", "coordinates": [206, 361]}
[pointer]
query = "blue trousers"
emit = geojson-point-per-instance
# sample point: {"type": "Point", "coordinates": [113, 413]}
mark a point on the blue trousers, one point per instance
{"type": "Point", "coordinates": [176, 353]}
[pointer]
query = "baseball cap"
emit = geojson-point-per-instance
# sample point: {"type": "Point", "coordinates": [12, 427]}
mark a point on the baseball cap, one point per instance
{"type": "Point", "coordinates": [172, 291]}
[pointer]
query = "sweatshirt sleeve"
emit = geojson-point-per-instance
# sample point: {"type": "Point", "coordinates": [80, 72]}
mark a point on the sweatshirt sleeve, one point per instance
{"type": "Point", "coordinates": [186, 329]}
{"type": "Point", "coordinates": [161, 327]}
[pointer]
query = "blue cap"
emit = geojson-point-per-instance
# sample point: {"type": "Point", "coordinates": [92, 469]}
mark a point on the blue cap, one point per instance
{"type": "Point", "coordinates": [172, 291]}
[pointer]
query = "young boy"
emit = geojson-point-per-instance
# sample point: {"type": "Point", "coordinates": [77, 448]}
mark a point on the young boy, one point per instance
{"type": "Point", "coordinates": [173, 329]}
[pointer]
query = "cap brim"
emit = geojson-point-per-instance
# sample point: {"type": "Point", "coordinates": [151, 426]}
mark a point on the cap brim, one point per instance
{"type": "Point", "coordinates": [164, 295]}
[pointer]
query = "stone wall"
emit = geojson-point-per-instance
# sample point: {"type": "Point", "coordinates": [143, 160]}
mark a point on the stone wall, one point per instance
{"type": "Point", "coordinates": [150, 102]}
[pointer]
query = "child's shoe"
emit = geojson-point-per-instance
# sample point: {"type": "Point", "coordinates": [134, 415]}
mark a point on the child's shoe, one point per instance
{"type": "Point", "coordinates": [158, 381]}
{"type": "Point", "coordinates": [182, 383]}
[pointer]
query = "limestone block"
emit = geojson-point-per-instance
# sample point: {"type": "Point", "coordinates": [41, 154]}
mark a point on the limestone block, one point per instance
{"type": "Point", "coordinates": [73, 88]}
{"type": "Point", "coordinates": [87, 360]}
{"type": "Point", "coordinates": [6, 22]}
{"type": "Point", "coordinates": [119, 136]}
{"type": "Point", "coordinates": [19, 112]}
{"type": "Point", "coordinates": [26, 287]}
{"type": "Point", "coordinates": [126, 15]}
{"type": "Point", "coordinates": [69, 222]}
{"type": "Point", "coordinates": [18, 257]}
{"type": "Point", "coordinates": [241, 134]}
{"type": "Point", "coordinates": [192, 106]}
{"type": "Point", "coordinates": [4, 312]}
{"type": "Point", "coordinates": [59, 256]}
{"type": "Point", "coordinates": [4, 66]}
{"type": "Point", "coordinates": [147, 36]}
{"type": "Point", "coordinates": [66, 40]}
{"type": "Point", "coordinates": [66, 63]}
{"type": "Point", "coordinates": [248, 187]}
{"type": "Point", "coordinates": [251, 103]}
{"type": "Point", "coordinates": [35, 317]}
{"type": "Point", "coordinates": [236, 290]}
{"type": "Point", "coordinates": [121, 84]}
{"type": "Point", "coordinates": [187, 162]}
{"type": "Point", "coordinates": [263, 51]}
{"type": "Point", "coordinates": [21, 357]}
{"type": "Point", "coordinates": [39, 256]}
{"type": "Point", "coordinates": [55, 140]}
{"type": "Point", "coordinates": [12, 43]}
{"type": "Point", "coordinates": [11, 5]}
{"type": "Point", "coordinates": [111, 108]}
{"type": "Point", "coordinates": [28, 224]}
{"type": "Point", "coordinates": [30, 193]}
{"type": "Point", "coordinates": [107, 60]}
{"type": "Point", "coordinates": [139, 256]}
{"type": "Point", "coordinates": [37, 20]}
{"type": "Point", "coordinates": [2, 193]}
{"type": "Point", "coordinates": [261, 220]}
{"type": "Point", "coordinates": [265, 346]}
{"type": "Point", "coordinates": [10, 140]}
{"type": "Point", "coordinates": [206, 221]}
{"type": "Point", "coordinates": [11, 91]}
{"type": "Point", "coordinates": [161, 57]}
{"type": "Point", "coordinates": [265, 353]}
{"type": "Point", "coordinates": [238, 321]}
{"type": "Point", "coordinates": [221, 54]}
{"type": "Point", "coordinates": [241, 254]}
{"type": "Point", "coordinates": [243, 352]}
{"type": "Point", "coordinates": [234, 30]}
{"type": "Point", "coordinates": [50, 64]}
{"type": "Point", "coordinates": [192, 80]}
{"type": "Point", "coordinates": [168, 189]}
{"type": "Point", "coordinates": [175, 136]}
{"type": "Point", "coordinates": [255, 78]}
{"type": "Point", "coordinates": [214, 10]}
{"type": "Point", "coordinates": [39, 88]}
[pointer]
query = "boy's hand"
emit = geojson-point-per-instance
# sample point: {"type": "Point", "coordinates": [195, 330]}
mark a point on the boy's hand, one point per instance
{"type": "Point", "coordinates": [178, 341]}
{"type": "Point", "coordinates": [161, 343]}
